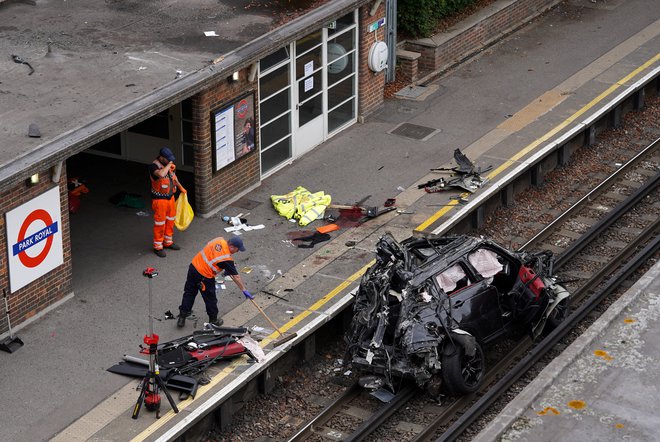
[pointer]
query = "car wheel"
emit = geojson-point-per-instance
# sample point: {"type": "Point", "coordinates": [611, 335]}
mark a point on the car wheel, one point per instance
{"type": "Point", "coordinates": [461, 373]}
{"type": "Point", "coordinates": [557, 316]}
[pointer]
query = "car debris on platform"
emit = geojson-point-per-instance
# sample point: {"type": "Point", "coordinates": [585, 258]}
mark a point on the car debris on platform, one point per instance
{"type": "Point", "coordinates": [428, 306]}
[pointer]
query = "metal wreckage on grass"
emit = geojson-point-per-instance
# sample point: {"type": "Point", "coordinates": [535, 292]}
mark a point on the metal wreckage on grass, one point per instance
{"type": "Point", "coordinates": [428, 306]}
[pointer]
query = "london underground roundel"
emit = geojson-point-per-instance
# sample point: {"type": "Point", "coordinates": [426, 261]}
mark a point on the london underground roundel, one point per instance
{"type": "Point", "coordinates": [34, 239]}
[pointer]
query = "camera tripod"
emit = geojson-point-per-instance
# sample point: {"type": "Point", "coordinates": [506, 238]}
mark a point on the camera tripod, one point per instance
{"type": "Point", "coordinates": [151, 384]}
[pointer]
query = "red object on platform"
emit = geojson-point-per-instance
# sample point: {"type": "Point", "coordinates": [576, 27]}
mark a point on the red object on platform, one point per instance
{"type": "Point", "coordinates": [225, 350]}
{"type": "Point", "coordinates": [151, 339]}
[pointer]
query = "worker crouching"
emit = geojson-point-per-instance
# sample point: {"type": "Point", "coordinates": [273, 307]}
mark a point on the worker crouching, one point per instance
{"type": "Point", "coordinates": [215, 257]}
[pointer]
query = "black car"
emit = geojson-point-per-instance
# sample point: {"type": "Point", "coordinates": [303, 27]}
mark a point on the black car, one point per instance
{"type": "Point", "coordinates": [428, 306]}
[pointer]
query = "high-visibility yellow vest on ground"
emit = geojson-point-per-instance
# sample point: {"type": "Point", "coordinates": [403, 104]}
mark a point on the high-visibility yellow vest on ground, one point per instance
{"type": "Point", "coordinates": [301, 204]}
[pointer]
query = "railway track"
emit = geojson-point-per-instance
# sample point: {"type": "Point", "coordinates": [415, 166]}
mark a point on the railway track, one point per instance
{"type": "Point", "coordinates": [596, 254]}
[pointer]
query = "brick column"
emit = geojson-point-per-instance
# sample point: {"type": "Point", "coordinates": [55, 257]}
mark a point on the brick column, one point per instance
{"type": "Point", "coordinates": [371, 85]}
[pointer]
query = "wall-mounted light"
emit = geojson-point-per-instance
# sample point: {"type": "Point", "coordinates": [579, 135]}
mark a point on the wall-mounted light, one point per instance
{"type": "Point", "coordinates": [33, 180]}
{"type": "Point", "coordinates": [234, 77]}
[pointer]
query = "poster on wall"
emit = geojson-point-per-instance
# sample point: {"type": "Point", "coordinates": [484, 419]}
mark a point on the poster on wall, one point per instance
{"type": "Point", "coordinates": [34, 238]}
{"type": "Point", "coordinates": [233, 131]}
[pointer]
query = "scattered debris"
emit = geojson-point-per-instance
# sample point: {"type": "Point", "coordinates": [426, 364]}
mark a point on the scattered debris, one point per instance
{"type": "Point", "coordinates": [19, 60]}
{"type": "Point", "coordinates": [313, 239]}
{"type": "Point", "coordinates": [302, 205]}
{"type": "Point", "coordinates": [183, 358]}
{"type": "Point", "coordinates": [465, 176]}
{"type": "Point", "coordinates": [327, 228]}
{"type": "Point", "coordinates": [127, 199]}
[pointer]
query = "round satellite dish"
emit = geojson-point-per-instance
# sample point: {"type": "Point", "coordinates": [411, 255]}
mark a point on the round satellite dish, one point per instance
{"type": "Point", "coordinates": [336, 52]}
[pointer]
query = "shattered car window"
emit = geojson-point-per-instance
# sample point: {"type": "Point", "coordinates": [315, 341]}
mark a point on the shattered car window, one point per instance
{"type": "Point", "coordinates": [452, 279]}
{"type": "Point", "coordinates": [485, 262]}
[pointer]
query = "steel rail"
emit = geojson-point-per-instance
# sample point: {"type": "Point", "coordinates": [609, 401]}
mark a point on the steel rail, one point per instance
{"type": "Point", "coordinates": [625, 168]}
{"type": "Point", "coordinates": [479, 407]}
{"type": "Point", "coordinates": [370, 425]}
{"type": "Point", "coordinates": [598, 228]}
{"type": "Point", "coordinates": [463, 402]}
{"type": "Point", "coordinates": [594, 280]}
{"type": "Point", "coordinates": [325, 415]}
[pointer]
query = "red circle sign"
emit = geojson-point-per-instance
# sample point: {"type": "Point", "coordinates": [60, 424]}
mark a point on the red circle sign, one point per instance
{"type": "Point", "coordinates": [242, 108]}
{"type": "Point", "coordinates": [29, 261]}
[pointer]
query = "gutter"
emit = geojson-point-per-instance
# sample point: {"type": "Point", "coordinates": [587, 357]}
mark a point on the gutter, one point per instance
{"type": "Point", "coordinates": [126, 116]}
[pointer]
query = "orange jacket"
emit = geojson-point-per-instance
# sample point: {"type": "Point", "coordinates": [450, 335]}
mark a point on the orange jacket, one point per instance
{"type": "Point", "coordinates": [163, 188]}
{"type": "Point", "coordinates": [217, 250]}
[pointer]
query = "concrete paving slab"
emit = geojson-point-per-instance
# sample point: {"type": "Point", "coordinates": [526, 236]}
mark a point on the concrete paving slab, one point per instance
{"type": "Point", "coordinates": [603, 386]}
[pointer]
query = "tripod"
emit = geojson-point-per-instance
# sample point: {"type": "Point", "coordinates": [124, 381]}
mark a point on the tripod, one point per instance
{"type": "Point", "coordinates": [151, 384]}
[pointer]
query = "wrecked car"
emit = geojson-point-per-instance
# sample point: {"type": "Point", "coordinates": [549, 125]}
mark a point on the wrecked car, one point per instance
{"type": "Point", "coordinates": [428, 306]}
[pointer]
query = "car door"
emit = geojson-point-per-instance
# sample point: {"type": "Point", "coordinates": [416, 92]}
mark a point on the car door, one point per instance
{"type": "Point", "coordinates": [474, 304]}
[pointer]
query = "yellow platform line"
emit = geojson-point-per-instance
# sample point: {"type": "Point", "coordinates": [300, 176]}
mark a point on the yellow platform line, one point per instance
{"type": "Point", "coordinates": [165, 418]}
{"type": "Point", "coordinates": [508, 163]}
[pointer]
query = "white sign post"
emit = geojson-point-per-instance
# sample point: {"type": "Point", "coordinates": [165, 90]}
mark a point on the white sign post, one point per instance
{"type": "Point", "coordinates": [34, 239]}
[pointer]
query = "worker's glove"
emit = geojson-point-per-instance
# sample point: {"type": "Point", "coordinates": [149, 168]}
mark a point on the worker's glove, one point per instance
{"type": "Point", "coordinates": [247, 294]}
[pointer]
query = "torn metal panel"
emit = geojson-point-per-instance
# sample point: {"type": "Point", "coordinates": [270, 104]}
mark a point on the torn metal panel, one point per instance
{"type": "Point", "coordinates": [428, 306]}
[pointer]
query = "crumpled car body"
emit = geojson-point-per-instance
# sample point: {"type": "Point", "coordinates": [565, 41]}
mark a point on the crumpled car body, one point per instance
{"type": "Point", "coordinates": [427, 306]}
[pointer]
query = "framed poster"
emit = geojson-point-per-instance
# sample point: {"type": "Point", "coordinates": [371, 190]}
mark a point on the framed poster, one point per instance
{"type": "Point", "coordinates": [233, 131]}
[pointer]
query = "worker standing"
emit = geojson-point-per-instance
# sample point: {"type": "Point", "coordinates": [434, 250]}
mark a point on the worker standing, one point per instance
{"type": "Point", "coordinates": [164, 184]}
{"type": "Point", "coordinates": [214, 258]}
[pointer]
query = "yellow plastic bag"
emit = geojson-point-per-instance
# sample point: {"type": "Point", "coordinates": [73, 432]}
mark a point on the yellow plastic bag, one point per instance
{"type": "Point", "coordinates": [184, 213]}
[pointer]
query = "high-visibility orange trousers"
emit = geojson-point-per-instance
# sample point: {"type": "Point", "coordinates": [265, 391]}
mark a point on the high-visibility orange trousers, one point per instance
{"type": "Point", "coordinates": [164, 214]}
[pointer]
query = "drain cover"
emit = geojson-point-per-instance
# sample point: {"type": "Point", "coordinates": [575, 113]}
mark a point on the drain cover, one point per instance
{"type": "Point", "coordinates": [414, 131]}
{"type": "Point", "coordinates": [411, 92]}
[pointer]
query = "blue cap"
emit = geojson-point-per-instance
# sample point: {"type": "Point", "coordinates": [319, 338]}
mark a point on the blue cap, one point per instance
{"type": "Point", "coordinates": [167, 153]}
{"type": "Point", "coordinates": [236, 242]}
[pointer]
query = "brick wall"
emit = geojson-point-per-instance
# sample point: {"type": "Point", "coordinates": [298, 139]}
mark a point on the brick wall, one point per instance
{"type": "Point", "coordinates": [214, 188]}
{"type": "Point", "coordinates": [444, 51]}
{"type": "Point", "coordinates": [53, 286]}
{"type": "Point", "coordinates": [371, 85]}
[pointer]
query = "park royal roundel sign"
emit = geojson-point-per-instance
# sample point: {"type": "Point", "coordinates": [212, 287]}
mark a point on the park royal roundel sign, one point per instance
{"type": "Point", "coordinates": [34, 239]}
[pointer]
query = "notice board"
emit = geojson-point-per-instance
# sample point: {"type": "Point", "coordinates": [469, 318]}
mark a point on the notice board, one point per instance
{"type": "Point", "coordinates": [233, 131]}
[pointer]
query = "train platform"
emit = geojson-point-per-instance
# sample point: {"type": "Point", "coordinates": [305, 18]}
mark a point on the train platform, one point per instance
{"type": "Point", "coordinates": [500, 109]}
{"type": "Point", "coordinates": [603, 386]}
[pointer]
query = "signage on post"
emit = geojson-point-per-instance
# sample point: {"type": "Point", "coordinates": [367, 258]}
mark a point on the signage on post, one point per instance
{"type": "Point", "coordinates": [34, 238]}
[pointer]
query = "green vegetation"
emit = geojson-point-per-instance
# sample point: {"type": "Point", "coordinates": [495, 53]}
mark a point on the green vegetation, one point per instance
{"type": "Point", "coordinates": [419, 18]}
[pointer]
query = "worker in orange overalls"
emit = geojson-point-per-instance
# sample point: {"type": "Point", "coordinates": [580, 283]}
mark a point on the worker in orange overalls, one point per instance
{"type": "Point", "coordinates": [164, 184]}
{"type": "Point", "coordinates": [214, 258]}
